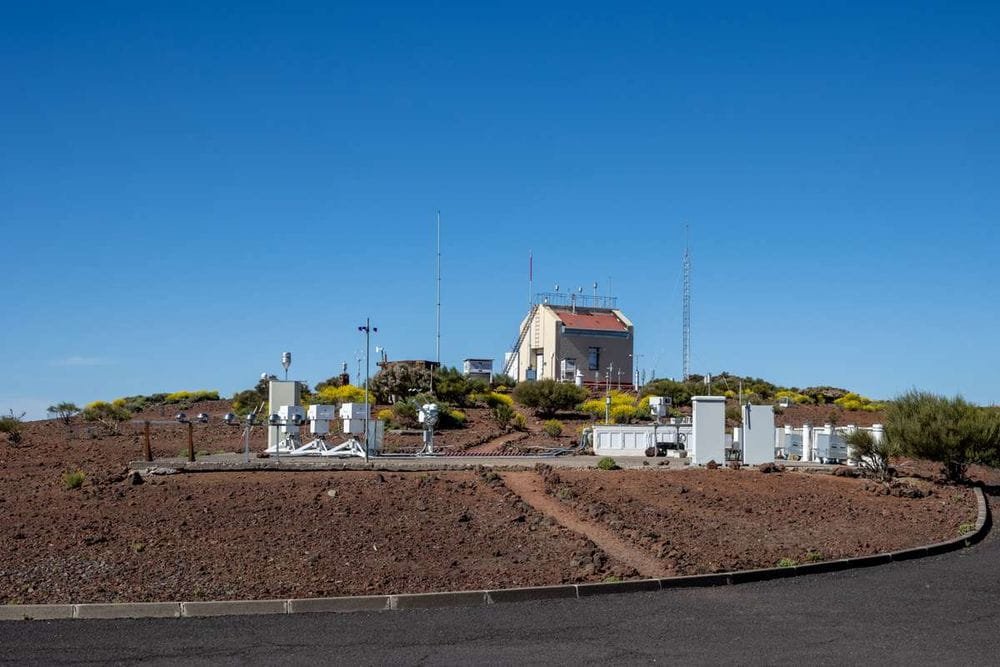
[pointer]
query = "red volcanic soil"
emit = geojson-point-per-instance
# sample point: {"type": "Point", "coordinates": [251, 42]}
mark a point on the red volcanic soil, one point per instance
{"type": "Point", "coordinates": [700, 521]}
{"type": "Point", "coordinates": [301, 534]}
{"type": "Point", "coordinates": [245, 535]}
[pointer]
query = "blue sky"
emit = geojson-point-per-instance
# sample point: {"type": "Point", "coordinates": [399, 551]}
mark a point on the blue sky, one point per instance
{"type": "Point", "coordinates": [189, 189]}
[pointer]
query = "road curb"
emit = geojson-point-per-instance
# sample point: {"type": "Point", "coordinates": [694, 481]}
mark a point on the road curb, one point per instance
{"type": "Point", "coordinates": [484, 597]}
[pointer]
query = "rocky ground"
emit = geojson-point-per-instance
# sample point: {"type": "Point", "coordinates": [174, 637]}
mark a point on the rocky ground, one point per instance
{"type": "Point", "coordinates": [269, 534]}
{"type": "Point", "coordinates": [700, 521]}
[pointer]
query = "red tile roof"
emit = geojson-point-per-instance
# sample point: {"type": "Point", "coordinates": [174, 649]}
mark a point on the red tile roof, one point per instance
{"type": "Point", "coordinates": [593, 321]}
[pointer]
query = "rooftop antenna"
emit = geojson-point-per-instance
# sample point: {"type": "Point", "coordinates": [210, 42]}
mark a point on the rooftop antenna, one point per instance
{"type": "Point", "coordinates": [286, 361]}
{"type": "Point", "coordinates": [686, 319]}
{"type": "Point", "coordinates": [531, 277]}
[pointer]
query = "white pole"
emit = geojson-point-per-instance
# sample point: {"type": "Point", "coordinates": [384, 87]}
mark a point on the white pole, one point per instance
{"type": "Point", "coordinates": [368, 328]}
{"type": "Point", "coordinates": [438, 354]}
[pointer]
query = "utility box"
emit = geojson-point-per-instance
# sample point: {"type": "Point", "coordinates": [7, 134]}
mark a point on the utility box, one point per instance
{"type": "Point", "coordinates": [320, 417]}
{"type": "Point", "coordinates": [758, 434]}
{"type": "Point", "coordinates": [352, 411]}
{"type": "Point", "coordinates": [376, 433]}
{"type": "Point", "coordinates": [354, 426]}
{"type": "Point", "coordinates": [327, 412]}
{"type": "Point", "coordinates": [830, 446]}
{"type": "Point", "coordinates": [792, 444]}
{"type": "Point", "coordinates": [281, 392]}
{"type": "Point", "coordinates": [708, 432]}
{"type": "Point", "coordinates": [659, 406]}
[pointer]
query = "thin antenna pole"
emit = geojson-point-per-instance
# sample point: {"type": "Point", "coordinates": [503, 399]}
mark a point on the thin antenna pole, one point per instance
{"type": "Point", "coordinates": [437, 355]}
{"type": "Point", "coordinates": [531, 277]}
{"type": "Point", "coordinates": [686, 326]}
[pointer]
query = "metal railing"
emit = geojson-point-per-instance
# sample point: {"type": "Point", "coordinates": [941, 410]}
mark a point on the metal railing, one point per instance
{"type": "Point", "coordinates": [576, 299]}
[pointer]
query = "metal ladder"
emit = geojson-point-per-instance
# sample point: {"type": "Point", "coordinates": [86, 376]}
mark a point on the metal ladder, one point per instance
{"type": "Point", "coordinates": [520, 339]}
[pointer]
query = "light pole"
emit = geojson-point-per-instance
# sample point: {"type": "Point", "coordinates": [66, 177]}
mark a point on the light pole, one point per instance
{"type": "Point", "coordinates": [367, 328]}
{"type": "Point", "coordinates": [607, 395]}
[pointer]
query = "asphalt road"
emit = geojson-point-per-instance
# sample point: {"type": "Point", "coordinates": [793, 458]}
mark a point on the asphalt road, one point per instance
{"type": "Point", "coordinates": [939, 610]}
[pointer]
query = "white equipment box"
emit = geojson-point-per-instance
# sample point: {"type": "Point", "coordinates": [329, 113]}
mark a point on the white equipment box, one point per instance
{"type": "Point", "coordinates": [352, 411]}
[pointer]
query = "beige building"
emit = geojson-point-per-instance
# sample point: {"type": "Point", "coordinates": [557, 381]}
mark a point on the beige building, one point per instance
{"type": "Point", "coordinates": [556, 341]}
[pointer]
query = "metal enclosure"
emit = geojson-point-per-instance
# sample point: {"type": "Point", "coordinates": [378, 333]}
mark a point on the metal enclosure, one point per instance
{"type": "Point", "coordinates": [758, 434]}
{"type": "Point", "coordinates": [708, 433]}
{"type": "Point", "coordinates": [281, 392]}
{"type": "Point", "coordinates": [830, 446]}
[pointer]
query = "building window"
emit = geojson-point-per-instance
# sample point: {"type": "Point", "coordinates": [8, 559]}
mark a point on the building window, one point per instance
{"type": "Point", "coordinates": [594, 358]}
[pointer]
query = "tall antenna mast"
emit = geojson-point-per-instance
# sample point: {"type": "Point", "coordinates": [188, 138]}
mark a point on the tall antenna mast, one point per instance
{"type": "Point", "coordinates": [531, 277]}
{"type": "Point", "coordinates": [686, 326]}
{"type": "Point", "coordinates": [437, 356]}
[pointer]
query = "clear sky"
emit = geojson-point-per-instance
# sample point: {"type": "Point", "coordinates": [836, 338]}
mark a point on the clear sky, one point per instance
{"type": "Point", "coordinates": [188, 189]}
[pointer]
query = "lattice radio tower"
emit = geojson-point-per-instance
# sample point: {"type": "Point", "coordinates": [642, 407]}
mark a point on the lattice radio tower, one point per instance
{"type": "Point", "coordinates": [686, 319]}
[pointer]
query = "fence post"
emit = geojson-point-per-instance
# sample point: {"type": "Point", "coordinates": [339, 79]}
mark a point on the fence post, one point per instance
{"type": "Point", "coordinates": [147, 448]}
{"type": "Point", "coordinates": [190, 441]}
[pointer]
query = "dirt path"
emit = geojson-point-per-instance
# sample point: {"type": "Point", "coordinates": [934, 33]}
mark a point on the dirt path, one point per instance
{"type": "Point", "coordinates": [528, 485]}
{"type": "Point", "coordinates": [497, 443]}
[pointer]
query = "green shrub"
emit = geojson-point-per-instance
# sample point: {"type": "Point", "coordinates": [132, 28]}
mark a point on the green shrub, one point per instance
{"type": "Point", "coordinates": [813, 557]}
{"type": "Point", "coordinates": [404, 414]}
{"type": "Point", "coordinates": [454, 387]}
{"type": "Point", "coordinates": [546, 397]}
{"type": "Point", "coordinates": [871, 457]}
{"type": "Point", "coordinates": [385, 415]}
{"type": "Point", "coordinates": [503, 414]}
{"type": "Point", "coordinates": [966, 528]}
{"type": "Point", "coordinates": [947, 430]}
{"type": "Point", "coordinates": [518, 422]}
{"type": "Point", "coordinates": [503, 382]}
{"type": "Point", "coordinates": [399, 382]}
{"type": "Point", "coordinates": [451, 418]}
{"type": "Point", "coordinates": [552, 428]}
{"type": "Point", "coordinates": [787, 562]}
{"type": "Point", "coordinates": [852, 401]}
{"type": "Point", "coordinates": [191, 396]}
{"type": "Point", "coordinates": [593, 407]}
{"type": "Point", "coordinates": [347, 393]}
{"type": "Point", "coordinates": [249, 400]}
{"type": "Point", "coordinates": [793, 397]}
{"type": "Point", "coordinates": [622, 398]}
{"type": "Point", "coordinates": [492, 399]}
{"type": "Point", "coordinates": [607, 463]}
{"type": "Point", "coordinates": [63, 411]}
{"type": "Point", "coordinates": [679, 392]}
{"type": "Point", "coordinates": [622, 414]}
{"type": "Point", "coordinates": [11, 425]}
{"type": "Point", "coordinates": [73, 480]}
{"type": "Point", "coordinates": [335, 381]}
{"type": "Point", "coordinates": [110, 416]}
{"type": "Point", "coordinates": [642, 407]}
